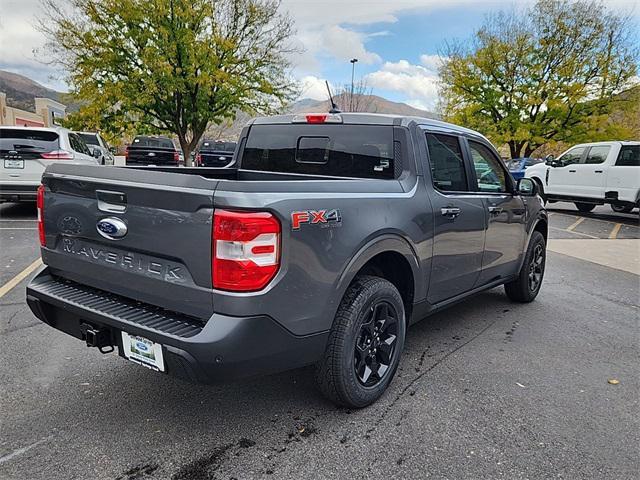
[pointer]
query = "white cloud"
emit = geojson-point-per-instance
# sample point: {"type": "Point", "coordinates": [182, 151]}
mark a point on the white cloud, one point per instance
{"type": "Point", "coordinates": [417, 82]}
{"type": "Point", "coordinates": [345, 44]}
{"type": "Point", "coordinates": [314, 88]}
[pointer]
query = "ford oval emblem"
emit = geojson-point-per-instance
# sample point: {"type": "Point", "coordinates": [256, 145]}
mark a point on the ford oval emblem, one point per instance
{"type": "Point", "coordinates": [142, 347]}
{"type": "Point", "coordinates": [112, 228]}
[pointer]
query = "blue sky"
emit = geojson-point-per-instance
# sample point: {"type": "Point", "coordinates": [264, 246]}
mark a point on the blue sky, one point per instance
{"type": "Point", "coordinates": [396, 41]}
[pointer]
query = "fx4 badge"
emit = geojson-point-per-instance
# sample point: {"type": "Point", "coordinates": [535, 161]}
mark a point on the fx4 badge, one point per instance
{"type": "Point", "coordinates": [323, 218]}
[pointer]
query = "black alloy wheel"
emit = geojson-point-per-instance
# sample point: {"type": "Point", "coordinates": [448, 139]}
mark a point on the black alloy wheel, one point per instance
{"type": "Point", "coordinates": [375, 345]}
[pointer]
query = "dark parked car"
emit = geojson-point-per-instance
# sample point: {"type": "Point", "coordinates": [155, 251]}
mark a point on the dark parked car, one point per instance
{"type": "Point", "coordinates": [215, 153]}
{"type": "Point", "coordinates": [153, 150]}
{"type": "Point", "coordinates": [517, 166]}
{"type": "Point", "coordinates": [333, 235]}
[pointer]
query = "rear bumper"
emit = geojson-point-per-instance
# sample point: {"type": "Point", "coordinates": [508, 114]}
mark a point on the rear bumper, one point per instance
{"type": "Point", "coordinates": [205, 351]}
{"type": "Point", "coordinates": [18, 192]}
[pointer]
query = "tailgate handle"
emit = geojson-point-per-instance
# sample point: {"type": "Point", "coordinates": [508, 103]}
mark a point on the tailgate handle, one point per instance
{"type": "Point", "coordinates": [111, 202]}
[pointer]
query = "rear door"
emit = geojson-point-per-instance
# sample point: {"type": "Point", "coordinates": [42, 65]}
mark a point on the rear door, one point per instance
{"type": "Point", "coordinates": [459, 220]}
{"type": "Point", "coordinates": [21, 154]}
{"type": "Point", "coordinates": [591, 172]}
{"type": "Point", "coordinates": [623, 177]}
{"type": "Point", "coordinates": [505, 213]}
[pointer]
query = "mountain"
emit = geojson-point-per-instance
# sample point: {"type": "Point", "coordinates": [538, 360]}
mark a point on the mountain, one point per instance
{"type": "Point", "coordinates": [21, 91]}
{"type": "Point", "coordinates": [362, 103]}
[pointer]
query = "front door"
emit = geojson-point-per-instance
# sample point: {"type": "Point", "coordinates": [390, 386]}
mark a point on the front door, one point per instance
{"type": "Point", "coordinates": [459, 221]}
{"type": "Point", "coordinates": [505, 237]}
{"type": "Point", "coordinates": [563, 179]}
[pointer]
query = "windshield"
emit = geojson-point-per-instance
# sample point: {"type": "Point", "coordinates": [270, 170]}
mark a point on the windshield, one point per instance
{"type": "Point", "coordinates": [217, 146]}
{"type": "Point", "coordinates": [89, 138]}
{"type": "Point", "coordinates": [28, 140]}
{"type": "Point", "coordinates": [360, 151]}
{"type": "Point", "coordinates": [153, 142]}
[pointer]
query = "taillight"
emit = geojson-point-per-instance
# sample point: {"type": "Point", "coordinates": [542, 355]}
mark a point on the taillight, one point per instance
{"type": "Point", "coordinates": [176, 157]}
{"type": "Point", "coordinates": [126, 154]}
{"type": "Point", "coordinates": [57, 155]}
{"type": "Point", "coordinates": [40, 207]}
{"type": "Point", "coordinates": [246, 250]}
{"type": "Point", "coordinates": [199, 159]}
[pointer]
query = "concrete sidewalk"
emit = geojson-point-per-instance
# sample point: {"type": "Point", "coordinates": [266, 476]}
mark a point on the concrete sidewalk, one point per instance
{"type": "Point", "coordinates": [621, 254]}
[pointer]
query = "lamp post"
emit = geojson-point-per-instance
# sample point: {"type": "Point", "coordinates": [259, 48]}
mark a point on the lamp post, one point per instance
{"type": "Point", "coordinates": [353, 71]}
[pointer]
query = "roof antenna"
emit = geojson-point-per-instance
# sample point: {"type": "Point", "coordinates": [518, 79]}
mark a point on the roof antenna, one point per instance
{"type": "Point", "coordinates": [334, 107]}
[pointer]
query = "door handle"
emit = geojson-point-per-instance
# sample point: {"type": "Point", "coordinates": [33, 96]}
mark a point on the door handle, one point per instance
{"type": "Point", "coordinates": [451, 212]}
{"type": "Point", "coordinates": [597, 171]}
{"type": "Point", "coordinates": [572, 171]}
{"type": "Point", "coordinates": [495, 210]}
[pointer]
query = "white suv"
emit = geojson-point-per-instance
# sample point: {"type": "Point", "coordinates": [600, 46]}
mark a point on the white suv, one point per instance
{"type": "Point", "coordinates": [26, 151]}
{"type": "Point", "coordinates": [592, 174]}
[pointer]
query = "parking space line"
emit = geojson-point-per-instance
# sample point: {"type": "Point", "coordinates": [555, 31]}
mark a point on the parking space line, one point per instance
{"type": "Point", "coordinates": [616, 229]}
{"type": "Point", "coordinates": [574, 233]}
{"type": "Point", "coordinates": [7, 287]}
{"type": "Point", "coordinates": [575, 224]}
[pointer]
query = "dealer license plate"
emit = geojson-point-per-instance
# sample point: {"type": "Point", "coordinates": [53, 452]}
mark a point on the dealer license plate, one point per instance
{"type": "Point", "coordinates": [143, 351]}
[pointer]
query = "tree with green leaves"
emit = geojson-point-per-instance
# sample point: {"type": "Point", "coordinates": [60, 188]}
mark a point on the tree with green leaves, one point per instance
{"type": "Point", "coordinates": [171, 66]}
{"type": "Point", "coordinates": [552, 73]}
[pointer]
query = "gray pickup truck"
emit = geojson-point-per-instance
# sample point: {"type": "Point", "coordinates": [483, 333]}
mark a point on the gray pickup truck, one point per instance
{"type": "Point", "coordinates": [334, 233]}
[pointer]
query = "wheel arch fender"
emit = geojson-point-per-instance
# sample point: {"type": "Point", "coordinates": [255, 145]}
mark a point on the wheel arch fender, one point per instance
{"type": "Point", "coordinates": [384, 243]}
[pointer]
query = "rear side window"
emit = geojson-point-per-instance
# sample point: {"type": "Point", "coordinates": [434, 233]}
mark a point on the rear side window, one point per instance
{"type": "Point", "coordinates": [597, 155]}
{"type": "Point", "coordinates": [28, 140]}
{"type": "Point", "coordinates": [355, 151]}
{"type": "Point", "coordinates": [78, 145]}
{"type": "Point", "coordinates": [89, 138]}
{"type": "Point", "coordinates": [447, 165]}
{"type": "Point", "coordinates": [209, 145]}
{"type": "Point", "coordinates": [629, 156]}
{"type": "Point", "coordinates": [153, 142]}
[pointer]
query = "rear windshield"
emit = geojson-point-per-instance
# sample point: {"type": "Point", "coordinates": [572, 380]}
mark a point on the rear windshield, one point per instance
{"type": "Point", "coordinates": [89, 138]}
{"type": "Point", "coordinates": [153, 142]}
{"type": "Point", "coordinates": [209, 145]}
{"type": "Point", "coordinates": [357, 151]}
{"type": "Point", "coordinates": [629, 156]}
{"type": "Point", "coordinates": [28, 140]}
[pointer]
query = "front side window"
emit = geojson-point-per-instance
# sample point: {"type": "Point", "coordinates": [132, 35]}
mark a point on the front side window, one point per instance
{"type": "Point", "coordinates": [489, 173]}
{"type": "Point", "coordinates": [597, 155]}
{"type": "Point", "coordinates": [447, 164]}
{"type": "Point", "coordinates": [572, 156]}
{"type": "Point", "coordinates": [629, 156]}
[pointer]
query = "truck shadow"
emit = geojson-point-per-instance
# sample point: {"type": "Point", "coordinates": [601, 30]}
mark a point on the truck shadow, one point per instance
{"type": "Point", "coordinates": [224, 420]}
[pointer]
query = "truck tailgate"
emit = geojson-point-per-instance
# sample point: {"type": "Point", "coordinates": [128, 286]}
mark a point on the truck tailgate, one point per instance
{"type": "Point", "coordinates": [141, 234]}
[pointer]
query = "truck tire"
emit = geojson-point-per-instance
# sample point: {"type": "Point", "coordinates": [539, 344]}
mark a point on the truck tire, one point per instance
{"type": "Point", "coordinates": [585, 207]}
{"type": "Point", "coordinates": [526, 287]}
{"type": "Point", "coordinates": [621, 208]}
{"type": "Point", "coordinates": [365, 343]}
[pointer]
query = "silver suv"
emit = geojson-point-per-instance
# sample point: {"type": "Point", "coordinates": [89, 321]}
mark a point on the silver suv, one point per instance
{"type": "Point", "coordinates": [26, 151]}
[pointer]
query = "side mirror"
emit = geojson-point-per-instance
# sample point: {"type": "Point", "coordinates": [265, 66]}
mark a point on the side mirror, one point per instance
{"type": "Point", "coordinates": [527, 187]}
{"type": "Point", "coordinates": [551, 161]}
{"type": "Point", "coordinates": [96, 153]}
{"type": "Point", "coordinates": [113, 150]}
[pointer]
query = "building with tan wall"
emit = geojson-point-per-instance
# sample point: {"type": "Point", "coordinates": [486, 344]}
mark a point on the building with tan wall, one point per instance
{"type": "Point", "coordinates": [47, 113]}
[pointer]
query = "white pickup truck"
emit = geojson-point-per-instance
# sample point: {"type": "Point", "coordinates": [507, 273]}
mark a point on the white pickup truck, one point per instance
{"type": "Point", "coordinates": [592, 174]}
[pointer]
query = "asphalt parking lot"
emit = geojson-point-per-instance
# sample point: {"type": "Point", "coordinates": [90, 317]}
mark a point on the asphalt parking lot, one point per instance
{"type": "Point", "coordinates": [486, 389]}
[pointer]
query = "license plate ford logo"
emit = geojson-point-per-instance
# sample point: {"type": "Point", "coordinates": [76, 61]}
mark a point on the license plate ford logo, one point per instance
{"type": "Point", "coordinates": [112, 228]}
